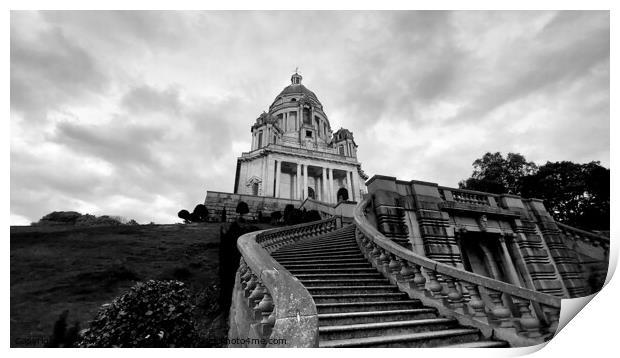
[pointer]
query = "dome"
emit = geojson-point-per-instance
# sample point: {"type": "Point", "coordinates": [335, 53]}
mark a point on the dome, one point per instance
{"type": "Point", "coordinates": [296, 88]}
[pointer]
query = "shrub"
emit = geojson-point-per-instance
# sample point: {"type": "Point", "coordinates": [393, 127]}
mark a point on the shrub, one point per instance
{"type": "Point", "coordinates": [224, 215]}
{"type": "Point", "coordinates": [311, 215]}
{"type": "Point", "coordinates": [60, 218]}
{"type": "Point", "coordinates": [63, 337]}
{"type": "Point", "coordinates": [242, 208]}
{"type": "Point", "coordinates": [151, 314]}
{"type": "Point", "coordinates": [184, 214]}
{"type": "Point", "coordinates": [200, 214]}
{"type": "Point", "coordinates": [276, 216]}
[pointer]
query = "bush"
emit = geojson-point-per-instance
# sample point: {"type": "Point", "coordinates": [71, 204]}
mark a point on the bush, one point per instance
{"type": "Point", "coordinates": [242, 208]}
{"type": "Point", "coordinates": [151, 314]}
{"type": "Point", "coordinates": [200, 214]}
{"type": "Point", "coordinates": [60, 218]}
{"type": "Point", "coordinates": [185, 215]}
{"type": "Point", "coordinates": [311, 215]}
{"type": "Point", "coordinates": [276, 216]}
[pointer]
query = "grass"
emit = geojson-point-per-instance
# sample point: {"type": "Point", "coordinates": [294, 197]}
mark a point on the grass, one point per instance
{"type": "Point", "coordinates": [78, 269]}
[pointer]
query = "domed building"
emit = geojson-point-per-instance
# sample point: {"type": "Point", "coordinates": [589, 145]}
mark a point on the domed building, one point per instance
{"type": "Point", "coordinates": [295, 154]}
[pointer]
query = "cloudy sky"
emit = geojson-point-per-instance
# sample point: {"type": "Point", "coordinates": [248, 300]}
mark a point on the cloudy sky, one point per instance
{"type": "Point", "coordinates": [138, 114]}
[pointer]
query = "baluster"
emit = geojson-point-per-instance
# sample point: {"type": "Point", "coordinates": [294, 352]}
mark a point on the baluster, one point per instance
{"type": "Point", "coordinates": [434, 286]}
{"type": "Point", "coordinates": [245, 278]}
{"type": "Point", "coordinates": [254, 299]}
{"type": "Point", "coordinates": [418, 279]}
{"type": "Point", "coordinates": [406, 273]}
{"type": "Point", "coordinates": [266, 308]}
{"type": "Point", "coordinates": [455, 298]}
{"type": "Point", "coordinates": [384, 262]}
{"type": "Point", "coordinates": [499, 311]}
{"type": "Point", "coordinates": [394, 268]}
{"type": "Point", "coordinates": [529, 323]}
{"type": "Point", "coordinates": [475, 302]}
{"type": "Point", "coordinates": [251, 285]}
{"type": "Point", "coordinates": [553, 316]}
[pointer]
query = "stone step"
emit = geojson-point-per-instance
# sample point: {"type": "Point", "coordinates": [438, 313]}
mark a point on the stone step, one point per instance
{"type": "Point", "coordinates": [419, 340]}
{"type": "Point", "coordinates": [316, 249]}
{"type": "Point", "coordinates": [329, 264]}
{"type": "Point", "coordinates": [336, 256]}
{"type": "Point", "coordinates": [309, 261]}
{"type": "Point", "coordinates": [340, 276]}
{"type": "Point", "coordinates": [346, 318]}
{"type": "Point", "coordinates": [351, 282]}
{"type": "Point", "coordinates": [342, 307]}
{"type": "Point", "coordinates": [480, 344]}
{"type": "Point", "coordinates": [296, 271]}
{"type": "Point", "coordinates": [342, 290]}
{"type": "Point", "coordinates": [362, 330]}
{"type": "Point", "coordinates": [358, 297]}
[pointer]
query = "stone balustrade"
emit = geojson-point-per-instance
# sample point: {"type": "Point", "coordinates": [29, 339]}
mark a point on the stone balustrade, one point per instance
{"type": "Point", "coordinates": [520, 316]}
{"type": "Point", "coordinates": [270, 307]}
{"type": "Point", "coordinates": [585, 237]}
{"type": "Point", "coordinates": [273, 239]}
{"type": "Point", "coordinates": [467, 197]}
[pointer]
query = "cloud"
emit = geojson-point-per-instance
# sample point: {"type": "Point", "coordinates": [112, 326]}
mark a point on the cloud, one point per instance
{"type": "Point", "coordinates": [138, 113]}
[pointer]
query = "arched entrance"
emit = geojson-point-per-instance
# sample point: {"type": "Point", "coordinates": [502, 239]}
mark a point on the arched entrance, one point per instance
{"type": "Point", "coordinates": [311, 193]}
{"type": "Point", "coordinates": [342, 194]}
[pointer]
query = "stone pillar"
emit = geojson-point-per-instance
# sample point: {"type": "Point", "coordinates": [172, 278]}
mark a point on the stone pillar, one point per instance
{"type": "Point", "coordinates": [298, 182]}
{"type": "Point", "coordinates": [276, 193]}
{"type": "Point", "coordinates": [508, 264]}
{"type": "Point", "coordinates": [324, 195]}
{"type": "Point", "coordinates": [330, 185]}
{"type": "Point", "coordinates": [305, 188]}
{"type": "Point", "coordinates": [317, 191]}
{"type": "Point", "coordinates": [352, 194]}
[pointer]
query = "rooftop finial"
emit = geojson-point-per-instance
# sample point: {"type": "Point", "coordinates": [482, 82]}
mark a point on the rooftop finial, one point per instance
{"type": "Point", "coordinates": [296, 77]}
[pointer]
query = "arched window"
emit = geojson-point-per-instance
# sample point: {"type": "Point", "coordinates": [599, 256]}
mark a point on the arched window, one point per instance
{"type": "Point", "coordinates": [255, 189]}
{"type": "Point", "coordinates": [341, 149]}
{"type": "Point", "coordinates": [310, 193]}
{"type": "Point", "coordinates": [343, 194]}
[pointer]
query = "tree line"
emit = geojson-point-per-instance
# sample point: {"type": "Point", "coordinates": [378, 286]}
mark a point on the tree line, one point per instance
{"type": "Point", "coordinates": [575, 194]}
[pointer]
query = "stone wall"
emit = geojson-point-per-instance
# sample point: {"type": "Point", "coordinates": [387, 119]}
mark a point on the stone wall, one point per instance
{"type": "Point", "coordinates": [216, 202]}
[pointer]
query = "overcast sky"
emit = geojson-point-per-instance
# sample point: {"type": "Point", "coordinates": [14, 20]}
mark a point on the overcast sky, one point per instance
{"type": "Point", "coordinates": [138, 114]}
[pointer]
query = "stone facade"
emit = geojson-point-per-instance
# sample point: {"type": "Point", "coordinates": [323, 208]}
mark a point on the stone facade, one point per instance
{"type": "Point", "coordinates": [504, 237]}
{"type": "Point", "coordinates": [295, 155]}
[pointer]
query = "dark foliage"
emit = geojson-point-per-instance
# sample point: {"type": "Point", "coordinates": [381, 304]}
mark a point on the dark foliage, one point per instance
{"type": "Point", "coordinates": [495, 174]}
{"type": "Point", "coordinates": [311, 215]}
{"type": "Point", "coordinates": [242, 208]}
{"type": "Point", "coordinates": [229, 260]}
{"type": "Point", "coordinates": [200, 214]}
{"type": "Point", "coordinates": [185, 215]}
{"type": "Point", "coordinates": [63, 337]}
{"type": "Point", "coordinates": [151, 314]}
{"type": "Point", "coordinates": [275, 217]}
{"type": "Point", "coordinates": [574, 194]}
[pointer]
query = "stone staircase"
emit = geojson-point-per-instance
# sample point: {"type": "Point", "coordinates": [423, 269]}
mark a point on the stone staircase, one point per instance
{"type": "Point", "coordinates": [358, 307]}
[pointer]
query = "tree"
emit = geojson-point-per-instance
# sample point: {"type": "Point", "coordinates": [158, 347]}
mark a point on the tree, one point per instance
{"type": "Point", "coordinates": [495, 174]}
{"type": "Point", "coordinates": [242, 209]}
{"type": "Point", "coordinates": [185, 215]}
{"type": "Point", "coordinates": [275, 217]}
{"type": "Point", "coordinates": [574, 194]}
{"type": "Point", "coordinates": [200, 214]}
{"type": "Point", "coordinates": [288, 211]}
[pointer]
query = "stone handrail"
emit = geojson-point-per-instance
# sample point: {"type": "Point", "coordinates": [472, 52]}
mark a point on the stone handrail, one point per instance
{"type": "Point", "coordinates": [281, 311]}
{"type": "Point", "coordinates": [585, 236]}
{"type": "Point", "coordinates": [518, 315]}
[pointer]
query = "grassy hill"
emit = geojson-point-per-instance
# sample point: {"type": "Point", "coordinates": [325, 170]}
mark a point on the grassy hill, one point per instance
{"type": "Point", "coordinates": [77, 269]}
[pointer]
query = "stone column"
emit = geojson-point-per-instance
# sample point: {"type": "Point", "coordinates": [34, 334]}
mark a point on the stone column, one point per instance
{"type": "Point", "coordinates": [324, 195]}
{"type": "Point", "coordinates": [330, 184]}
{"type": "Point", "coordinates": [349, 185]}
{"type": "Point", "coordinates": [508, 264]}
{"type": "Point", "coordinates": [305, 188]}
{"type": "Point", "coordinates": [298, 182]}
{"type": "Point", "coordinates": [276, 193]}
